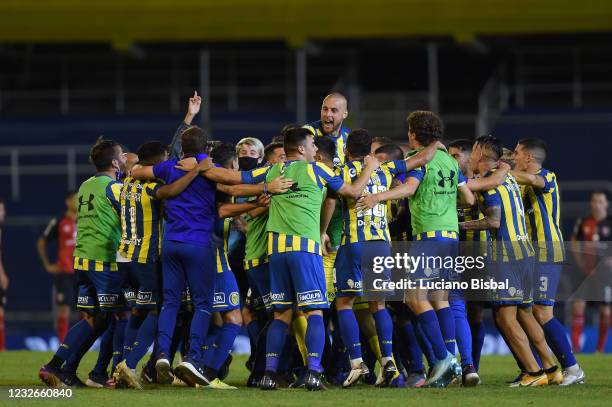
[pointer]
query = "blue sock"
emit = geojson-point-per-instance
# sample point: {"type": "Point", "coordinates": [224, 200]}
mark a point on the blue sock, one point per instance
{"type": "Point", "coordinates": [118, 338]}
{"type": "Point", "coordinates": [106, 349]}
{"type": "Point", "coordinates": [462, 332]}
{"type": "Point", "coordinates": [556, 337]}
{"type": "Point", "coordinates": [424, 343]}
{"type": "Point", "coordinates": [414, 350]}
{"type": "Point", "coordinates": [349, 331]}
{"type": "Point", "coordinates": [144, 339]}
{"type": "Point", "coordinates": [73, 361]}
{"type": "Point", "coordinates": [315, 342]}
{"type": "Point", "coordinates": [431, 328]}
{"type": "Point", "coordinates": [285, 358]}
{"type": "Point", "coordinates": [447, 327]}
{"type": "Point", "coordinates": [197, 333]}
{"type": "Point", "coordinates": [225, 341]}
{"type": "Point", "coordinates": [478, 336]}
{"type": "Point", "coordinates": [76, 337]}
{"type": "Point", "coordinates": [384, 329]}
{"type": "Point", "coordinates": [275, 341]}
{"type": "Point", "coordinates": [131, 331]}
{"type": "Point", "coordinates": [209, 347]}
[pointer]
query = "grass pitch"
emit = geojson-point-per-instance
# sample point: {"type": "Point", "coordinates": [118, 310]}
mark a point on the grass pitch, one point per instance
{"type": "Point", "coordinates": [19, 369]}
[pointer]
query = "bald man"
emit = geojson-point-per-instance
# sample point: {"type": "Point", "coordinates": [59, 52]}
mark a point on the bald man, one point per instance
{"type": "Point", "coordinates": [333, 112]}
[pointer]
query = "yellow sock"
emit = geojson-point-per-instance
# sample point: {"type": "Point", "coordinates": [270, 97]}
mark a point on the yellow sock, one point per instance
{"type": "Point", "coordinates": [299, 325]}
{"type": "Point", "coordinates": [375, 346]}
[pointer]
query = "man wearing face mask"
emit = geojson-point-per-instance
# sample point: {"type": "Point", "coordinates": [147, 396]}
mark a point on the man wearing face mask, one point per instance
{"type": "Point", "coordinates": [334, 110]}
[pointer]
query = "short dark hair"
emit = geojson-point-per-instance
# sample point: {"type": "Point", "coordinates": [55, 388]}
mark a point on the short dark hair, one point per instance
{"type": "Point", "coordinates": [426, 126]}
{"type": "Point", "coordinates": [103, 153]}
{"type": "Point", "coordinates": [492, 145]}
{"type": "Point", "coordinates": [269, 149]}
{"type": "Point", "coordinates": [535, 146]}
{"type": "Point", "coordinates": [281, 137]}
{"type": "Point", "coordinates": [193, 141]}
{"type": "Point", "coordinates": [326, 146]}
{"type": "Point", "coordinates": [464, 145]}
{"type": "Point", "coordinates": [148, 153]}
{"type": "Point", "coordinates": [392, 150]}
{"type": "Point", "coordinates": [382, 140]}
{"type": "Point", "coordinates": [223, 153]}
{"type": "Point", "coordinates": [359, 143]}
{"type": "Point", "coordinates": [295, 137]}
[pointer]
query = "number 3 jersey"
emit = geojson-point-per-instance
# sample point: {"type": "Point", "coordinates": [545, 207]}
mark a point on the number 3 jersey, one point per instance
{"type": "Point", "coordinates": [371, 224]}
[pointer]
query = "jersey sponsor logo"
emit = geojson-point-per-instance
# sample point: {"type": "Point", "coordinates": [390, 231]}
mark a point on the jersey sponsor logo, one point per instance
{"type": "Point", "coordinates": [444, 179]}
{"type": "Point", "coordinates": [88, 203]}
{"type": "Point", "coordinates": [234, 298]}
{"type": "Point", "coordinates": [310, 296]}
{"type": "Point", "coordinates": [219, 298]}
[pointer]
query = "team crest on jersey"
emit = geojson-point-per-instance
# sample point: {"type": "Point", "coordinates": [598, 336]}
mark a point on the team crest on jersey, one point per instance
{"type": "Point", "coordinates": [310, 296]}
{"type": "Point", "coordinates": [234, 298]}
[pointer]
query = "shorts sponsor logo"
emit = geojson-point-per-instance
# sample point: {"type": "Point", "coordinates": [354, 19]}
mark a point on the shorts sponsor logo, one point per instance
{"type": "Point", "coordinates": [357, 285]}
{"type": "Point", "coordinates": [144, 296]}
{"type": "Point", "coordinates": [310, 296]}
{"type": "Point", "coordinates": [219, 298]}
{"type": "Point", "coordinates": [276, 297]}
{"type": "Point", "coordinates": [108, 299]}
{"type": "Point", "coordinates": [234, 298]}
{"type": "Point", "coordinates": [83, 300]}
{"type": "Point", "coordinates": [265, 299]}
{"type": "Point", "coordinates": [129, 295]}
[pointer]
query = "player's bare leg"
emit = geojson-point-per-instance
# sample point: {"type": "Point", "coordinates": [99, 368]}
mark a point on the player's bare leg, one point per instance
{"type": "Point", "coordinates": [536, 337]}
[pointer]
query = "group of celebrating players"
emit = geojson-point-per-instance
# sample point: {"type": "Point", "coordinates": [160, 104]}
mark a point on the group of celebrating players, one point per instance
{"type": "Point", "coordinates": [156, 231]}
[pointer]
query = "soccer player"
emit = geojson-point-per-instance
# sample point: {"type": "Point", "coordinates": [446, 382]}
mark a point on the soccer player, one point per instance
{"type": "Point", "coordinates": [595, 227]}
{"type": "Point", "coordinates": [334, 110]}
{"type": "Point", "coordinates": [4, 281]}
{"type": "Point", "coordinates": [274, 153]}
{"type": "Point", "coordinates": [141, 218]}
{"type": "Point", "coordinates": [432, 192]}
{"type": "Point", "coordinates": [64, 232]}
{"type": "Point", "coordinates": [295, 263]}
{"type": "Point", "coordinates": [99, 283]}
{"type": "Point", "coordinates": [512, 260]}
{"type": "Point", "coordinates": [542, 204]}
{"type": "Point", "coordinates": [378, 142]}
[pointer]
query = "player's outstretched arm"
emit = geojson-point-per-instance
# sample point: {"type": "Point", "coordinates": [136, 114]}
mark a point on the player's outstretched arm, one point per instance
{"type": "Point", "coordinates": [491, 181]}
{"type": "Point", "coordinates": [193, 108]}
{"type": "Point", "coordinates": [142, 172]}
{"type": "Point", "coordinates": [178, 186]}
{"type": "Point", "coordinates": [355, 189]}
{"type": "Point", "coordinates": [491, 220]}
{"type": "Point", "coordinates": [229, 210]}
{"type": "Point", "coordinates": [278, 185]}
{"type": "Point", "coordinates": [405, 190]}
{"type": "Point", "coordinates": [525, 178]}
{"type": "Point", "coordinates": [424, 156]}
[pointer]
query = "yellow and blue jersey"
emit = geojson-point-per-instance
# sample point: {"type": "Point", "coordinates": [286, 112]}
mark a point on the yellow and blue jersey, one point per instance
{"type": "Point", "coordinates": [468, 214]}
{"type": "Point", "coordinates": [510, 240]}
{"type": "Point", "coordinates": [371, 224]}
{"type": "Point", "coordinates": [140, 214]}
{"type": "Point", "coordinates": [543, 210]}
{"type": "Point", "coordinates": [221, 239]}
{"type": "Point", "coordinates": [339, 140]}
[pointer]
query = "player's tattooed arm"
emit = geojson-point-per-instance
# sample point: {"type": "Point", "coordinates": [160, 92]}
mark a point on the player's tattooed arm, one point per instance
{"type": "Point", "coordinates": [424, 156]}
{"type": "Point", "coordinates": [466, 196]}
{"type": "Point", "coordinates": [355, 189]}
{"type": "Point", "coordinates": [491, 220]}
{"type": "Point", "coordinates": [491, 181]}
{"type": "Point", "coordinates": [278, 185]}
{"type": "Point", "coordinates": [405, 190]}
{"type": "Point", "coordinates": [525, 178]}
{"type": "Point", "coordinates": [229, 210]}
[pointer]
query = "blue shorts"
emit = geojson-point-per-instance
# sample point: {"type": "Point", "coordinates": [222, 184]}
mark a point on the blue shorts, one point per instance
{"type": "Point", "coordinates": [432, 251]}
{"type": "Point", "coordinates": [546, 281]}
{"type": "Point", "coordinates": [355, 271]}
{"type": "Point", "coordinates": [297, 278]}
{"type": "Point", "coordinates": [259, 284]}
{"type": "Point", "coordinates": [227, 297]}
{"type": "Point", "coordinates": [519, 274]}
{"type": "Point", "coordinates": [141, 284]}
{"type": "Point", "coordinates": [100, 291]}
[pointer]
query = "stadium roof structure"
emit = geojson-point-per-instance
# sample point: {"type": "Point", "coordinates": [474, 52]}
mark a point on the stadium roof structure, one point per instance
{"type": "Point", "coordinates": [123, 22]}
